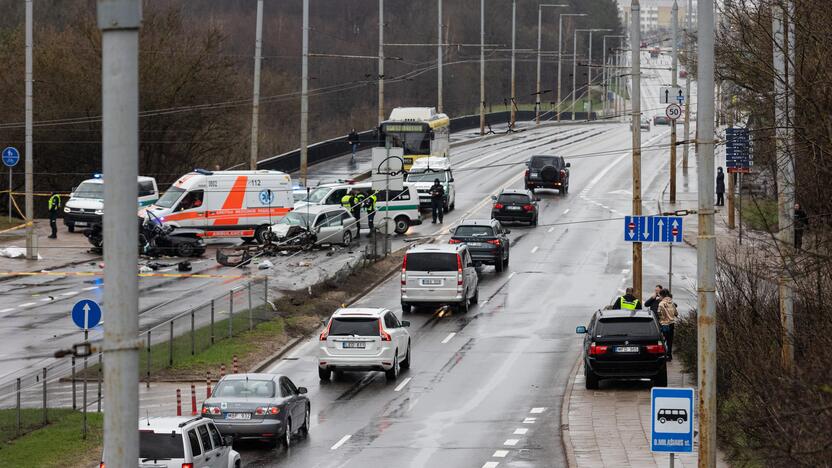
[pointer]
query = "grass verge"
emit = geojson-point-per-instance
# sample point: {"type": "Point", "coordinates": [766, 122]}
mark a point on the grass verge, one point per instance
{"type": "Point", "coordinates": [58, 444]}
{"type": "Point", "coordinates": [759, 214]}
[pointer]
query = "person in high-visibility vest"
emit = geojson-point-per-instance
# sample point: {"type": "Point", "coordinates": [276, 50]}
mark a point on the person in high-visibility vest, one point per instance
{"type": "Point", "coordinates": [357, 203]}
{"type": "Point", "coordinates": [54, 206]}
{"type": "Point", "coordinates": [347, 200]}
{"type": "Point", "coordinates": [370, 206]}
{"type": "Point", "coordinates": [628, 301]}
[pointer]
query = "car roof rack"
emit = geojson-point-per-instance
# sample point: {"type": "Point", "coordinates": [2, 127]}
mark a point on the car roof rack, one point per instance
{"type": "Point", "coordinates": [183, 424]}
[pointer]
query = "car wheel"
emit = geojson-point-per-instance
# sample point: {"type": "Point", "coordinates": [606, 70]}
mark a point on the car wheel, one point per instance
{"type": "Point", "coordinates": [393, 373]}
{"type": "Point", "coordinates": [185, 249]}
{"type": "Point", "coordinates": [70, 227]}
{"type": "Point", "coordinates": [347, 238]}
{"type": "Point", "coordinates": [591, 378]}
{"type": "Point", "coordinates": [406, 362]}
{"type": "Point", "coordinates": [402, 223]}
{"type": "Point", "coordinates": [406, 308]}
{"type": "Point", "coordinates": [476, 297]}
{"type": "Point", "coordinates": [324, 374]}
{"type": "Point", "coordinates": [287, 435]}
{"type": "Point", "coordinates": [505, 264]}
{"type": "Point", "coordinates": [500, 264]}
{"type": "Point", "coordinates": [445, 207]}
{"type": "Point", "coordinates": [661, 379]}
{"type": "Point", "coordinates": [260, 234]}
{"type": "Point", "coordinates": [534, 221]}
{"type": "Point", "coordinates": [453, 205]}
{"type": "Point", "coordinates": [463, 306]}
{"type": "Point", "coordinates": [304, 430]}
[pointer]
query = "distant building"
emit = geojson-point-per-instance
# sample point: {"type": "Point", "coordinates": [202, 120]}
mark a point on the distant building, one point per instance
{"type": "Point", "coordinates": [656, 15]}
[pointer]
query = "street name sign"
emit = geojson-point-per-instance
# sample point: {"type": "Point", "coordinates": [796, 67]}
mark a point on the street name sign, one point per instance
{"type": "Point", "coordinates": [672, 427]}
{"type": "Point", "coordinates": [86, 314]}
{"type": "Point", "coordinates": [653, 229]}
{"type": "Point", "coordinates": [737, 150]}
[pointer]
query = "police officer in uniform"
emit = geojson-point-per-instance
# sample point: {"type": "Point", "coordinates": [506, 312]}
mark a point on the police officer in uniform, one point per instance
{"type": "Point", "coordinates": [357, 203]}
{"type": "Point", "coordinates": [54, 206]}
{"type": "Point", "coordinates": [370, 206]}
{"type": "Point", "coordinates": [628, 301]}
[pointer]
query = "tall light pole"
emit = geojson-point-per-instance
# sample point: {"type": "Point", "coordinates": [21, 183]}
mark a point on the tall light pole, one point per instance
{"type": "Point", "coordinates": [539, 40]}
{"type": "Point", "coordinates": [304, 96]}
{"type": "Point", "coordinates": [119, 21]}
{"type": "Point", "coordinates": [439, 56]}
{"type": "Point", "coordinates": [606, 75]}
{"type": "Point", "coordinates": [255, 105]}
{"type": "Point", "coordinates": [674, 70]}
{"type": "Point", "coordinates": [482, 67]}
{"type": "Point", "coordinates": [689, 54]}
{"type": "Point", "coordinates": [575, 61]}
{"type": "Point", "coordinates": [380, 61]}
{"type": "Point", "coordinates": [513, 50]}
{"type": "Point", "coordinates": [560, 43]}
{"type": "Point", "coordinates": [635, 73]}
{"type": "Point", "coordinates": [589, 73]}
{"type": "Point", "coordinates": [31, 235]}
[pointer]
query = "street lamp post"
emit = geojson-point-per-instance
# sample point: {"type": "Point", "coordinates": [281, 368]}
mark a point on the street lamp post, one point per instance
{"type": "Point", "coordinates": [606, 75]}
{"type": "Point", "coordinates": [513, 50]}
{"type": "Point", "coordinates": [575, 58]}
{"type": "Point", "coordinates": [539, 36]}
{"type": "Point", "coordinates": [560, 42]}
{"type": "Point", "coordinates": [589, 73]}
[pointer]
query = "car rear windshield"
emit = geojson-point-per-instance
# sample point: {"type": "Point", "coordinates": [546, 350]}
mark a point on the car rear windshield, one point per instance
{"type": "Point", "coordinates": [626, 327]}
{"type": "Point", "coordinates": [432, 261]}
{"type": "Point", "coordinates": [539, 162]}
{"type": "Point", "coordinates": [245, 388]}
{"type": "Point", "coordinates": [160, 446]}
{"type": "Point", "coordinates": [513, 198]}
{"type": "Point", "coordinates": [348, 326]}
{"type": "Point", "coordinates": [474, 231]}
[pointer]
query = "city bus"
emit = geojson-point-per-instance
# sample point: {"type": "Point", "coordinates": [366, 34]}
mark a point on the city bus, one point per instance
{"type": "Point", "coordinates": [421, 131]}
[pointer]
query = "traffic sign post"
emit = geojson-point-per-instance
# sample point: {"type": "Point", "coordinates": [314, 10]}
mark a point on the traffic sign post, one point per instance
{"type": "Point", "coordinates": [653, 229]}
{"type": "Point", "coordinates": [671, 430]}
{"type": "Point", "coordinates": [86, 314]}
{"type": "Point", "coordinates": [10, 158]}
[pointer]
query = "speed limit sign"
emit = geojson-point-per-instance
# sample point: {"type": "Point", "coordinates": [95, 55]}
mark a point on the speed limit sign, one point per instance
{"type": "Point", "coordinates": [673, 111]}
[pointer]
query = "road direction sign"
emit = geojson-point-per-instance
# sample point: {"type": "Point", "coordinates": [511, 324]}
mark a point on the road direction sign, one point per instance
{"type": "Point", "coordinates": [672, 426]}
{"type": "Point", "coordinates": [86, 314]}
{"type": "Point", "coordinates": [673, 111]}
{"type": "Point", "coordinates": [671, 94]}
{"type": "Point", "coordinates": [653, 229]}
{"type": "Point", "coordinates": [11, 156]}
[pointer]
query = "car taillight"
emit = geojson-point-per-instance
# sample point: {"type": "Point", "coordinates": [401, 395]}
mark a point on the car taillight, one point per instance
{"type": "Point", "coordinates": [595, 349]}
{"type": "Point", "coordinates": [187, 465]}
{"type": "Point", "coordinates": [528, 207]}
{"type": "Point", "coordinates": [384, 335]}
{"type": "Point", "coordinates": [325, 333]}
{"type": "Point", "coordinates": [454, 241]}
{"type": "Point", "coordinates": [210, 410]}
{"type": "Point", "coordinates": [527, 172]}
{"type": "Point", "coordinates": [102, 465]}
{"type": "Point", "coordinates": [498, 206]}
{"type": "Point", "coordinates": [263, 410]}
{"type": "Point", "coordinates": [458, 270]}
{"type": "Point", "coordinates": [657, 348]}
{"type": "Point", "coordinates": [404, 268]}
{"type": "Point", "coordinates": [494, 241]}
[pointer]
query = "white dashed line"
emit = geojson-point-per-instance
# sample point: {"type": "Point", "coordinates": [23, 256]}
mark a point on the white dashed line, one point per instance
{"type": "Point", "coordinates": [449, 337]}
{"type": "Point", "coordinates": [401, 385]}
{"type": "Point", "coordinates": [341, 442]}
{"type": "Point", "coordinates": [535, 249]}
{"type": "Point", "coordinates": [500, 454]}
{"type": "Point", "coordinates": [566, 211]}
{"type": "Point", "coordinates": [512, 274]}
{"type": "Point", "coordinates": [28, 304]}
{"type": "Point", "coordinates": [551, 229]}
{"type": "Point", "coordinates": [484, 302]}
{"type": "Point", "coordinates": [520, 431]}
{"type": "Point", "coordinates": [511, 442]}
{"type": "Point", "coordinates": [537, 410]}
{"type": "Point", "coordinates": [529, 420]}
{"type": "Point", "coordinates": [6, 310]}
{"type": "Point", "coordinates": [90, 288]}
{"type": "Point", "coordinates": [67, 294]}
{"type": "Point", "coordinates": [491, 464]}
{"type": "Point", "coordinates": [625, 271]}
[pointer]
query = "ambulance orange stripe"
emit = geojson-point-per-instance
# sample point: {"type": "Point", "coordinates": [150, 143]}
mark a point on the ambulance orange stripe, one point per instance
{"type": "Point", "coordinates": [235, 198]}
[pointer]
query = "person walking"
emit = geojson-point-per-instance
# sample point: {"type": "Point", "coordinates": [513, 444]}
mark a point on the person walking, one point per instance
{"type": "Point", "coordinates": [370, 207]}
{"type": "Point", "coordinates": [628, 301]}
{"type": "Point", "coordinates": [353, 139]}
{"type": "Point", "coordinates": [437, 200]}
{"type": "Point", "coordinates": [667, 320]}
{"type": "Point", "coordinates": [801, 224]}
{"type": "Point", "coordinates": [653, 302]}
{"type": "Point", "coordinates": [720, 187]}
{"type": "Point", "coordinates": [54, 206]}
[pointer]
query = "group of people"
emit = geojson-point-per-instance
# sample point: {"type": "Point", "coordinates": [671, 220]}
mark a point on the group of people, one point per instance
{"type": "Point", "coordinates": [661, 304]}
{"type": "Point", "coordinates": [355, 199]}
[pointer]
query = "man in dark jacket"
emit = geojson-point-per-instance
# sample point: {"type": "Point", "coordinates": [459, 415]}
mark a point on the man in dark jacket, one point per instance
{"type": "Point", "coordinates": [352, 139]}
{"type": "Point", "coordinates": [628, 301]}
{"type": "Point", "coordinates": [437, 200]}
{"type": "Point", "coordinates": [801, 224]}
{"type": "Point", "coordinates": [720, 187]}
{"type": "Point", "coordinates": [653, 302]}
{"type": "Point", "coordinates": [54, 206]}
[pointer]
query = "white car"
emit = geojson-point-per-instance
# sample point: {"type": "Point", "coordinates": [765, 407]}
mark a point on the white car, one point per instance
{"type": "Point", "coordinates": [439, 275]}
{"type": "Point", "coordinates": [331, 224]}
{"type": "Point", "coordinates": [175, 442]}
{"type": "Point", "coordinates": [364, 339]}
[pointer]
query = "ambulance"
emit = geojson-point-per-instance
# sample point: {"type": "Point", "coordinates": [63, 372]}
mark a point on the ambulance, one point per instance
{"type": "Point", "coordinates": [226, 203]}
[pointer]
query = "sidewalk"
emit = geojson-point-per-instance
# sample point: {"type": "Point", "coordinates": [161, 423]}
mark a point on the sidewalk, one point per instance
{"type": "Point", "coordinates": [68, 249]}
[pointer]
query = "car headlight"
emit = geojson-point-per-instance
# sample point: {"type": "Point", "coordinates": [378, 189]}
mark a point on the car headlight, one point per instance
{"type": "Point", "coordinates": [66, 210]}
{"type": "Point", "coordinates": [99, 212]}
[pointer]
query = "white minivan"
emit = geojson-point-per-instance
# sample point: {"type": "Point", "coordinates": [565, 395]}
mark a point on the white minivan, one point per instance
{"type": "Point", "coordinates": [439, 275]}
{"type": "Point", "coordinates": [86, 202]}
{"type": "Point", "coordinates": [425, 172]}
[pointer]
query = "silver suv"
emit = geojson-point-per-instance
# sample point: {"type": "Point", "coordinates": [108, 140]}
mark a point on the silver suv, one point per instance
{"type": "Point", "coordinates": [438, 275]}
{"type": "Point", "coordinates": [183, 441]}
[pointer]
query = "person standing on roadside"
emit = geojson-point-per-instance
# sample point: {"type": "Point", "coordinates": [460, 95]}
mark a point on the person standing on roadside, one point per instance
{"type": "Point", "coordinates": [352, 139]}
{"type": "Point", "coordinates": [357, 203]}
{"type": "Point", "coordinates": [628, 301]}
{"type": "Point", "coordinates": [655, 299]}
{"type": "Point", "coordinates": [370, 207]}
{"type": "Point", "coordinates": [437, 200]}
{"type": "Point", "coordinates": [54, 205]}
{"type": "Point", "coordinates": [801, 224]}
{"type": "Point", "coordinates": [667, 320]}
{"type": "Point", "coordinates": [720, 187]}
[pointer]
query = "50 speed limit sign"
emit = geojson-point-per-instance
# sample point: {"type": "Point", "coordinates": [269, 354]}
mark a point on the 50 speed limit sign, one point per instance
{"type": "Point", "coordinates": [673, 111]}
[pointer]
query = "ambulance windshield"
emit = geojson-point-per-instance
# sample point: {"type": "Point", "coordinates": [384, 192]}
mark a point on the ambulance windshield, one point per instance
{"type": "Point", "coordinates": [170, 197]}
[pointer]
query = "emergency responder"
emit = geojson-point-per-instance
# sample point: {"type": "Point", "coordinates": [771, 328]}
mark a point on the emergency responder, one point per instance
{"type": "Point", "coordinates": [54, 206]}
{"type": "Point", "coordinates": [346, 200]}
{"type": "Point", "coordinates": [437, 200]}
{"type": "Point", "coordinates": [628, 301]}
{"type": "Point", "coordinates": [370, 206]}
{"type": "Point", "coordinates": [357, 203]}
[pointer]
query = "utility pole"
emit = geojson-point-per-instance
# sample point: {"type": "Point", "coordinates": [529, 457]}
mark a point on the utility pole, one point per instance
{"type": "Point", "coordinates": [674, 70]}
{"type": "Point", "coordinates": [255, 106]}
{"type": "Point", "coordinates": [380, 61]}
{"type": "Point", "coordinates": [785, 178]}
{"type": "Point", "coordinates": [689, 53]}
{"type": "Point", "coordinates": [706, 241]}
{"type": "Point", "coordinates": [513, 50]}
{"type": "Point", "coordinates": [539, 45]}
{"type": "Point", "coordinates": [635, 39]}
{"type": "Point", "coordinates": [31, 235]}
{"type": "Point", "coordinates": [589, 79]}
{"type": "Point", "coordinates": [119, 21]}
{"type": "Point", "coordinates": [607, 78]}
{"type": "Point", "coordinates": [574, 67]}
{"type": "Point", "coordinates": [439, 56]}
{"type": "Point", "coordinates": [560, 75]}
{"type": "Point", "coordinates": [482, 67]}
{"type": "Point", "coordinates": [304, 97]}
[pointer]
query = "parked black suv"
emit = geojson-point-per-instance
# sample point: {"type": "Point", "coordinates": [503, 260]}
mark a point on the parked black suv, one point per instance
{"type": "Point", "coordinates": [547, 172]}
{"type": "Point", "coordinates": [515, 205]}
{"type": "Point", "coordinates": [623, 344]}
{"type": "Point", "coordinates": [487, 240]}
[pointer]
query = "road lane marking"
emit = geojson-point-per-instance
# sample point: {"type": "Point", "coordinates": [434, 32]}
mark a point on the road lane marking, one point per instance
{"type": "Point", "coordinates": [341, 442]}
{"type": "Point", "coordinates": [511, 442]}
{"type": "Point", "coordinates": [535, 249]}
{"type": "Point", "coordinates": [47, 299]}
{"type": "Point", "coordinates": [6, 310]}
{"type": "Point", "coordinates": [491, 464]}
{"type": "Point", "coordinates": [529, 420]}
{"type": "Point", "coordinates": [90, 288]}
{"type": "Point", "coordinates": [520, 431]}
{"type": "Point", "coordinates": [500, 454]}
{"type": "Point", "coordinates": [566, 211]}
{"type": "Point", "coordinates": [401, 385]}
{"type": "Point", "coordinates": [449, 337]}
{"type": "Point", "coordinates": [551, 229]}
{"type": "Point", "coordinates": [28, 304]}
{"type": "Point", "coordinates": [71, 293]}
{"type": "Point", "coordinates": [512, 274]}
{"type": "Point", "coordinates": [537, 410]}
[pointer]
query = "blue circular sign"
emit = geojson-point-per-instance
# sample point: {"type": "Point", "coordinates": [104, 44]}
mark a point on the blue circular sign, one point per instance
{"type": "Point", "coordinates": [266, 197]}
{"type": "Point", "coordinates": [86, 314]}
{"type": "Point", "coordinates": [11, 156]}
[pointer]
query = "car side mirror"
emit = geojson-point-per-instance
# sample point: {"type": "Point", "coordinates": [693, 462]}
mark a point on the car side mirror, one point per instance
{"type": "Point", "coordinates": [507, 231]}
{"type": "Point", "coordinates": [451, 179]}
{"type": "Point", "coordinates": [568, 164]}
{"type": "Point", "coordinates": [405, 323]}
{"type": "Point", "coordinates": [302, 390]}
{"type": "Point", "coordinates": [536, 198]}
{"type": "Point", "coordinates": [228, 441]}
{"type": "Point", "coordinates": [494, 197]}
{"type": "Point", "coordinates": [580, 330]}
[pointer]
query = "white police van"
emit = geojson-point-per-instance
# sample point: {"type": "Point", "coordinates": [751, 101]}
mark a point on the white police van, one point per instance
{"type": "Point", "coordinates": [425, 171]}
{"type": "Point", "coordinates": [86, 202]}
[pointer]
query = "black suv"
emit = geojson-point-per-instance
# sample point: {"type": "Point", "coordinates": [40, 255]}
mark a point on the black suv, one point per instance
{"type": "Point", "coordinates": [487, 241]}
{"type": "Point", "coordinates": [623, 344]}
{"type": "Point", "coordinates": [547, 172]}
{"type": "Point", "coordinates": [515, 205]}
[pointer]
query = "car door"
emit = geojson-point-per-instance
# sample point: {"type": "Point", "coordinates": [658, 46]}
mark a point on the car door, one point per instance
{"type": "Point", "coordinates": [326, 229]}
{"type": "Point", "coordinates": [219, 445]}
{"type": "Point", "coordinates": [290, 393]}
{"type": "Point", "coordinates": [501, 234]}
{"type": "Point", "coordinates": [393, 326]}
{"type": "Point", "coordinates": [471, 272]}
{"type": "Point", "coordinates": [210, 453]}
{"type": "Point", "coordinates": [197, 456]}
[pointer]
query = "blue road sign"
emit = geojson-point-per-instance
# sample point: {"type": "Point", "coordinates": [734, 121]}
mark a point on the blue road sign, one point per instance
{"type": "Point", "coordinates": [737, 150]}
{"type": "Point", "coordinates": [672, 426]}
{"type": "Point", "coordinates": [11, 156]}
{"type": "Point", "coordinates": [653, 229]}
{"type": "Point", "coordinates": [86, 314]}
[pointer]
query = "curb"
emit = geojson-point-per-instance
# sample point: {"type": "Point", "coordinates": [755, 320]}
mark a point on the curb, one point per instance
{"type": "Point", "coordinates": [262, 365]}
{"type": "Point", "coordinates": [565, 437]}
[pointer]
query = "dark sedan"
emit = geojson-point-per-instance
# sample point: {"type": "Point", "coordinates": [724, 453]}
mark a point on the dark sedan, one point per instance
{"type": "Point", "coordinates": [259, 406]}
{"type": "Point", "coordinates": [515, 205]}
{"type": "Point", "coordinates": [487, 241]}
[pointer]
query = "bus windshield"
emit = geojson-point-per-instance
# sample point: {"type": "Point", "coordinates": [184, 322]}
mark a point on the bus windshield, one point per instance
{"type": "Point", "coordinates": [415, 139]}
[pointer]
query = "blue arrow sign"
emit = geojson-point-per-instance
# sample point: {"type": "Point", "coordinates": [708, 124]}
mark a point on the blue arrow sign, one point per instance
{"type": "Point", "coordinates": [86, 314]}
{"type": "Point", "coordinates": [653, 229]}
{"type": "Point", "coordinates": [11, 156]}
{"type": "Point", "coordinates": [672, 414]}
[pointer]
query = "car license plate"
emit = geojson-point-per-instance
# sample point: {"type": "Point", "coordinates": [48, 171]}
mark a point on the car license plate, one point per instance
{"type": "Point", "coordinates": [534, 174]}
{"type": "Point", "coordinates": [475, 244]}
{"type": "Point", "coordinates": [626, 349]}
{"type": "Point", "coordinates": [515, 208]}
{"type": "Point", "coordinates": [353, 344]}
{"type": "Point", "coordinates": [237, 415]}
{"type": "Point", "coordinates": [431, 282]}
